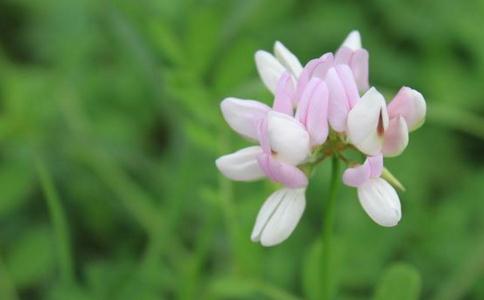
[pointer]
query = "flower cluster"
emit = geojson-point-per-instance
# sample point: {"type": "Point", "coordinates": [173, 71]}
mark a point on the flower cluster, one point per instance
{"type": "Point", "coordinates": [319, 110]}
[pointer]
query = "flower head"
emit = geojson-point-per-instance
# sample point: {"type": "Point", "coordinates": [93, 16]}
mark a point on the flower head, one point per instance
{"type": "Point", "coordinates": [322, 109]}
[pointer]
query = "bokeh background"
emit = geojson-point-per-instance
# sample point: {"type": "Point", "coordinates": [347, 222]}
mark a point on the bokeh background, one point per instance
{"type": "Point", "coordinates": [110, 125]}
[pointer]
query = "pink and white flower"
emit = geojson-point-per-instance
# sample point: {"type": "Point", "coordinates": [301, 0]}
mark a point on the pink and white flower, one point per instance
{"type": "Point", "coordinates": [373, 128]}
{"type": "Point", "coordinates": [377, 197]}
{"type": "Point", "coordinates": [291, 135]}
{"type": "Point", "coordinates": [285, 141]}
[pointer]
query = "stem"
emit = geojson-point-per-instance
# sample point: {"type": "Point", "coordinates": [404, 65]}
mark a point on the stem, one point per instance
{"type": "Point", "coordinates": [59, 222]}
{"type": "Point", "coordinates": [327, 230]}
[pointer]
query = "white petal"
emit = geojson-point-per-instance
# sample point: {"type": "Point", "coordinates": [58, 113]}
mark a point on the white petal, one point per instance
{"type": "Point", "coordinates": [287, 59]}
{"type": "Point", "coordinates": [288, 138]}
{"type": "Point", "coordinates": [353, 40]}
{"type": "Point", "coordinates": [265, 212]}
{"type": "Point", "coordinates": [269, 68]}
{"type": "Point", "coordinates": [367, 122]}
{"type": "Point", "coordinates": [380, 201]}
{"type": "Point", "coordinates": [243, 116]}
{"type": "Point", "coordinates": [396, 137]}
{"type": "Point", "coordinates": [279, 216]}
{"type": "Point", "coordinates": [241, 165]}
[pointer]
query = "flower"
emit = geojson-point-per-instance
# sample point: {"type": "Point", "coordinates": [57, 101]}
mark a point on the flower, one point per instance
{"type": "Point", "coordinates": [286, 140]}
{"type": "Point", "coordinates": [374, 128]}
{"type": "Point", "coordinates": [318, 112]}
{"type": "Point", "coordinates": [377, 197]}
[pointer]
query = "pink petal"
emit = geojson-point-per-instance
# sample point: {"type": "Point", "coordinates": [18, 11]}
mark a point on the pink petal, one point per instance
{"type": "Point", "coordinates": [326, 61]}
{"type": "Point", "coordinates": [346, 77]}
{"type": "Point", "coordinates": [357, 176]}
{"type": "Point", "coordinates": [317, 116]}
{"type": "Point", "coordinates": [243, 116]}
{"type": "Point", "coordinates": [343, 56]}
{"type": "Point", "coordinates": [284, 94]}
{"type": "Point", "coordinates": [303, 105]}
{"type": "Point", "coordinates": [312, 110]}
{"type": "Point", "coordinates": [376, 165]}
{"type": "Point", "coordinates": [278, 171]}
{"type": "Point", "coordinates": [409, 104]}
{"type": "Point", "coordinates": [263, 135]}
{"type": "Point", "coordinates": [359, 66]}
{"type": "Point", "coordinates": [314, 68]}
{"type": "Point", "coordinates": [396, 137]}
{"type": "Point", "coordinates": [338, 106]}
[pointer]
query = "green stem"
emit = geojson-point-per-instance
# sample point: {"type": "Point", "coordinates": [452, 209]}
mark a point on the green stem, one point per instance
{"type": "Point", "coordinates": [327, 230]}
{"type": "Point", "coordinates": [59, 222]}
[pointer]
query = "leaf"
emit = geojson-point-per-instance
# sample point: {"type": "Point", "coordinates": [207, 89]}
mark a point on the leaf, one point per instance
{"type": "Point", "coordinates": [400, 282]}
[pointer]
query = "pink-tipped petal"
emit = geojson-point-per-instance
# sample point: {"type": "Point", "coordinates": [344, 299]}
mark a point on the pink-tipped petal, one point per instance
{"type": "Point", "coordinates": [326, 62]}
{"type": "Point", "coordinates": [263, 136]}
{"type": "Point", "coordinates": [396, 137]}
{"type": "Point", "coordinates": [409, 104]}
{"type": "Point", "coordinates": [290, 176]}
{"type": "Point", "coordinates": [317, 116]}
{"type": "Point", "coordinates": [338, 106]}
{"type": "Point", "coordinates": [314, 68]}
{"type": "Point", "coordinates": [243, 116]}
{"type": "Point", "coordinates": [347, 79]}
{"type": "Point", "coordinates": [367, 122]}
{"type": "Point", "coordinates": [359, 66]}
{"type": "Point", "coordinates": [241, 165]}
{"type": "Point", "coordinates": [287, 59]}
{"type": "Point", "coordinates": [343, 56]}
{"type": "Point", "coordinates": [376, 165]}
{"type": "Point", "coordinates": [303, 104]}
{"type": "Point", "coordinates": [356, 176]}
{"type": "Point", "coordinates": [269, 68]}
{"type": "Point", "coordinates": [284, 94]}
{"type": "Point", "coordinates": [312, 110]}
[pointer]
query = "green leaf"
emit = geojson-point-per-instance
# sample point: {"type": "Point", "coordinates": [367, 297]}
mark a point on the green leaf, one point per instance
{"type": "Point", "coordinates": [400, 282]}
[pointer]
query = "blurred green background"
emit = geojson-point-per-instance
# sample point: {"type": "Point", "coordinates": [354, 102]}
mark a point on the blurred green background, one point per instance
{"type": "Point", "coordinates": [110, 125]}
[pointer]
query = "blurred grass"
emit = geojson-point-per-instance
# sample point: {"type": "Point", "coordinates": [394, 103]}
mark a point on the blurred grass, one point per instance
{"type": "Point", "coordinates": [120, 101]}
